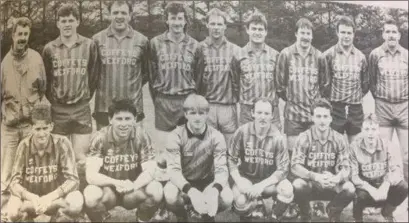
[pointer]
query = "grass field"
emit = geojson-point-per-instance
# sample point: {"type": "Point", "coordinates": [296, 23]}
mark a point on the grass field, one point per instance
{"type": "Point", "coordinates": [121, 215]}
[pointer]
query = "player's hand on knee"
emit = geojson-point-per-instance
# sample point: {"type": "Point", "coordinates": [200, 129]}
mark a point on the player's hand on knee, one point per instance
{"type": "Point", "coordinates": [256, 190]}
{"type": "Point", "coordinates": [212, 201]}
{"type": "Point", "coordinates": [44, 203]}
{"type": "Point", "coordinates": [198, 201]}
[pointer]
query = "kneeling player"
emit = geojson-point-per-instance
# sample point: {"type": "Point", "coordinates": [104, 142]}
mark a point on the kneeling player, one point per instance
{"type": "Point", "coordinates": [261, 149]}
{"type": "Point", "coordinates": [197, 165]}
{"type": "Point", "coordinates": [117, 167]}
{"type": "Point", "coordinates": [320, 161]}
{"type": "Point", "coordinates": [45, 178]}
{"type": "Point", "coordinates": [376, 172]}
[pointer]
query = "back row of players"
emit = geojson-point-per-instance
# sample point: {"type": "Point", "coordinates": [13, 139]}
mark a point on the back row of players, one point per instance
{"type": "Point", "coordinates": [119, 61]}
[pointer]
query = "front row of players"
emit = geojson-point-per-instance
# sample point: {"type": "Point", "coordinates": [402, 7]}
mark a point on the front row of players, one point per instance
{"type": "Point", "coordinates": [204, 174]}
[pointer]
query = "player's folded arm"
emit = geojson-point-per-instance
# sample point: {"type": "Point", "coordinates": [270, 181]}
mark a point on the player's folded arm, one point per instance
{"type": "Point", "coordinates": [220, 162]}
{"type": "Point", "coordinates": [394, 172]}
{"type": "Point", "coordinates": [354, 164]}
{"type": "Point", "coordinates": [299, 156]}
{"type": "Point", "coordinates": [233, 154]}
{"type": "Point", "coordinates": [282, 73]}
{"type": "Point", "coordinates": [69, 169]}
{"type": "Point", "coordinates": [173, 148]}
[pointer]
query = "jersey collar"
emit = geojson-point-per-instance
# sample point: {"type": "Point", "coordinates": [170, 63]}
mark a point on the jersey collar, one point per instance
{"type": "Point", "coordinates": [50, 146]}
{"type": "Point", "coordinates": [190, 134]}
{"type": "Point", "coordinates": [129, 32]}
{"type": "Point", "coordinates": [78, 41]}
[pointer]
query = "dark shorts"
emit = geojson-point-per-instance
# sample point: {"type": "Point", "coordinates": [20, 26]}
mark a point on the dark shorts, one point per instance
{"type": "Point", "coordinates": [245, 115]}
{"type": "Point", "coordinates": [347, 117]}
{"type": "Point", "coordinates": [102, 118]}
{"type": "Point", "coordinates": [168, 111]}
{"type": "Point", "coordinates": [72, 119]}
{"type": "Point", "coordinates": [392, 114]}
{"type": "Point", "coordinates": [201, 184]}
{"type": "Point", "coordinates": [223, 117]}
{"type": "Point", "coordinates": [294, 128]}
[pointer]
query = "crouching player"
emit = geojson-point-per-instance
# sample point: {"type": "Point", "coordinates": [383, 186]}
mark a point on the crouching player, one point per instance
{"type": "Point", "coordinates": [320, 163]}
{"type": "Point", "coordinates": [376, 172]}
{"type": "Point", "coordinates": [118, 167]}
{"type": "Point", "coordinates": [44, 178]}
{"type": "Point", "coordinates": [196, 156]}
{"type": "Point", "coordinates": [264, 164]}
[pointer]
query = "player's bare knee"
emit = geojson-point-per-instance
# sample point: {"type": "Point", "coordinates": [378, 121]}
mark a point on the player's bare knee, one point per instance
{"type": "Point", "coordinates": [154, 190]}
{"type": "Point", "coordinates": [93, 196]}
{"type": "Point", "coordinates": [285, 191]}
{"type": "Point", "coordinates": [171, 193]}
{"type": "Point", "coordinates": [75, 202]}
{"type": "Point", "coordinates": [348, 187]}
{"type": "Point", "coordinates": [299, 184]}
{"type": "Point", "coordinates": [14, 208]}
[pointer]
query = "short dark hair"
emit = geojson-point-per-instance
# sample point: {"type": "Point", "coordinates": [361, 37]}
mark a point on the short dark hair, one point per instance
{"type": "Point", "coordinates": [22, 21]}
{"type": "Point", "coordinates": [67, 10]}
{"type": "Point", "coordinates": [216, 12]}
{"type": "Point", "coordinates": [321, 103]}
{"type": "Point", "coordinates": [303, 23]}
{"type": "Point", "coordinates": [265, 100]}
{"type": "Point", "coordinates": [119, 3]}
{"type": "Point", "coordinates": [256, 17]}
{"type": "Point", "coordinates": [346, 21]}
{"type": "Point", "coordinates": [121, 105]}
{"type": "Point", "coordinates": [390, 21]}
{"type": "Point", "coordinates": [41, 112]}
{"type": "Point", "coordinates": [175, 8]}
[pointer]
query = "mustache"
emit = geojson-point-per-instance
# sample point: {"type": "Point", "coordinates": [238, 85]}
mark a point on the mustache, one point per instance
{"type": "Point", "coordinates": [21, 41]}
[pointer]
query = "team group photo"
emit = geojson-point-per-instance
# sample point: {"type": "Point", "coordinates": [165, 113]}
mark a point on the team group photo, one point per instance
{"type": "Point", "coordinates": [203, 111]}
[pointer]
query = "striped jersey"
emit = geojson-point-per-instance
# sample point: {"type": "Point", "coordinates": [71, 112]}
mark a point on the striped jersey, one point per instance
{"type": "Point", "coordinates": [375, 167]}
{"type": "Point", "coordinates": [346, 75]}
{"type": "Point", "coordinates": [218, 79]}
{"type": "Point", "coordinates": [40, 175]}
{"type": "Point", "coordinates": [72, 73]}
{"type": "Point", "coordinates": [298, 79]}
{"type": "Point", "coordinates": [125, 68]}
{"type": "Point", "coordinates": [317, 157]}
{"type": "Point", "coordinates": [121, 160]}
{"type": "Point", "coordinates": [389, 73]}
{"type": "Point", "coordinates": [23, 83]}
{"type": "Point", "coordinates": [257, 74]}
{"type": "Point", "coordinates": [172, 65]}
{"type": "Point", "coordinates": [259, 158]}
{"type": "Point", "coordinates": [196, 157]}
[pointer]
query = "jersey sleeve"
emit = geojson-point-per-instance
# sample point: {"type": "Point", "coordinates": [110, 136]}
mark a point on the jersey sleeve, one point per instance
{"type": "Point", "coordinates": [282, 73]}
{"type": "Point", "coordinates": [146, 146]}
{"type": "Point", "coordinates": [233, 153]}
{"type": "Point", "coordinates": [343, 154]}
{"type": "Point", "coordinates": [96, 145]}
{"type": "Point", "coordinates": [282, 159]}
{"type": "Point", "coordinates": [300, 150]}
{"type": "Point", "coordinates": [173, 148]}
{"type": "Point", "coordinates": [394, 172]}
{"type": "Point", "coordinates": [372, 71]}
{"type": "Point", "coordinates": [69, 169]}
{"type": "Point", "coordinates": [220, 160]}
{"type": "Point", "coordinates": [16, 187]}
{"type": "Point", "coordinates": [94, 67]}
{"type": "Point", "coordinates": [364, 75]}
{"type": "Point", "coordinates": [47, 59]}
{"type": "Point", "coordinates": [145, 61]}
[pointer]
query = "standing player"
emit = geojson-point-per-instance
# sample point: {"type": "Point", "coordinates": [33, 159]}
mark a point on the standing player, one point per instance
{"type": "Point", "coordinates": [218, 82]}
{"type": "Point", "coordinates": [298, 82]}
{"type": "Point", "coordinates": [264, 163]}
{"type": "Point", "coordinates": [388, 67]}
{"type": "Point", "coordinates": [346, 80]}
{"type": "Point", "coordinates": [376, 172]}
{"type": "Point", "coordinates": [72, 66]}
{"type": "Point", "coordinates": [257, 63]}
{"type": "Point", "coordinates": [124, 55]}
{"type": "Point", "coordinates": [173, 59]}
{"type": "Point", "coordinates": [23, 83]}
{"type": "Point", "coordinates": [197, 165]}
{"type": "Point", "coordinates": [117, 167]}
{"type": "Point", "coordinates": [44, 177]}
{"type": "Point", "coordinates": [320, 163]}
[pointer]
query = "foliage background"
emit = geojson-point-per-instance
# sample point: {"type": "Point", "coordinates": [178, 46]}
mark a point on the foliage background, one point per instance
{"type": "Point", "coordinates": [147, 17]}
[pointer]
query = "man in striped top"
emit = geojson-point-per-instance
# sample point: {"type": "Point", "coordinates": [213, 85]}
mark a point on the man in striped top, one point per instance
{"type": "Point", "coordinates": [196, 159]}
{"type": "Point", "coordinates": [376, 172]}
{"type": "Point", "coordinates": [173, 61]}
{"type": "Point", "coordinates": [256, 64]}
{"type": "Point", "coordinates": [124, 55]}
{"type": "Point", "coordinates": [118, 168]}
{"type": "Point", "coordinates": [217, 77]}
{"type": "Point", "coordinates": [264, 164]}
{"type": "Point", "coordinates": [44, 179]}
{"type": "Point", "coordinates": [388, 67]}
{"type": "Point", "coordinates": [23, 83]}
{"type": "Point", "coordinates": [346, 80]}
{"type": "Point", "coordinates": [298, 81]}
{"type": "Point", "coordinates": [72, 66]}
{"type": "Point", "coordinates": [320, 163]}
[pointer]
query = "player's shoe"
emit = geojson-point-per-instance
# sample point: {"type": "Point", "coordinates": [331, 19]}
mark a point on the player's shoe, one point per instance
{"type": "Point", "coordinates": [389, 219]}
{"type": "Point", "coordinates": [319, 209]}
{"type": "Point", "coordinates": [162, 214]}
{"type": "Point", "coordinates": [292, 211]}
{"type": "Point", "coordinates": [259, 211]}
